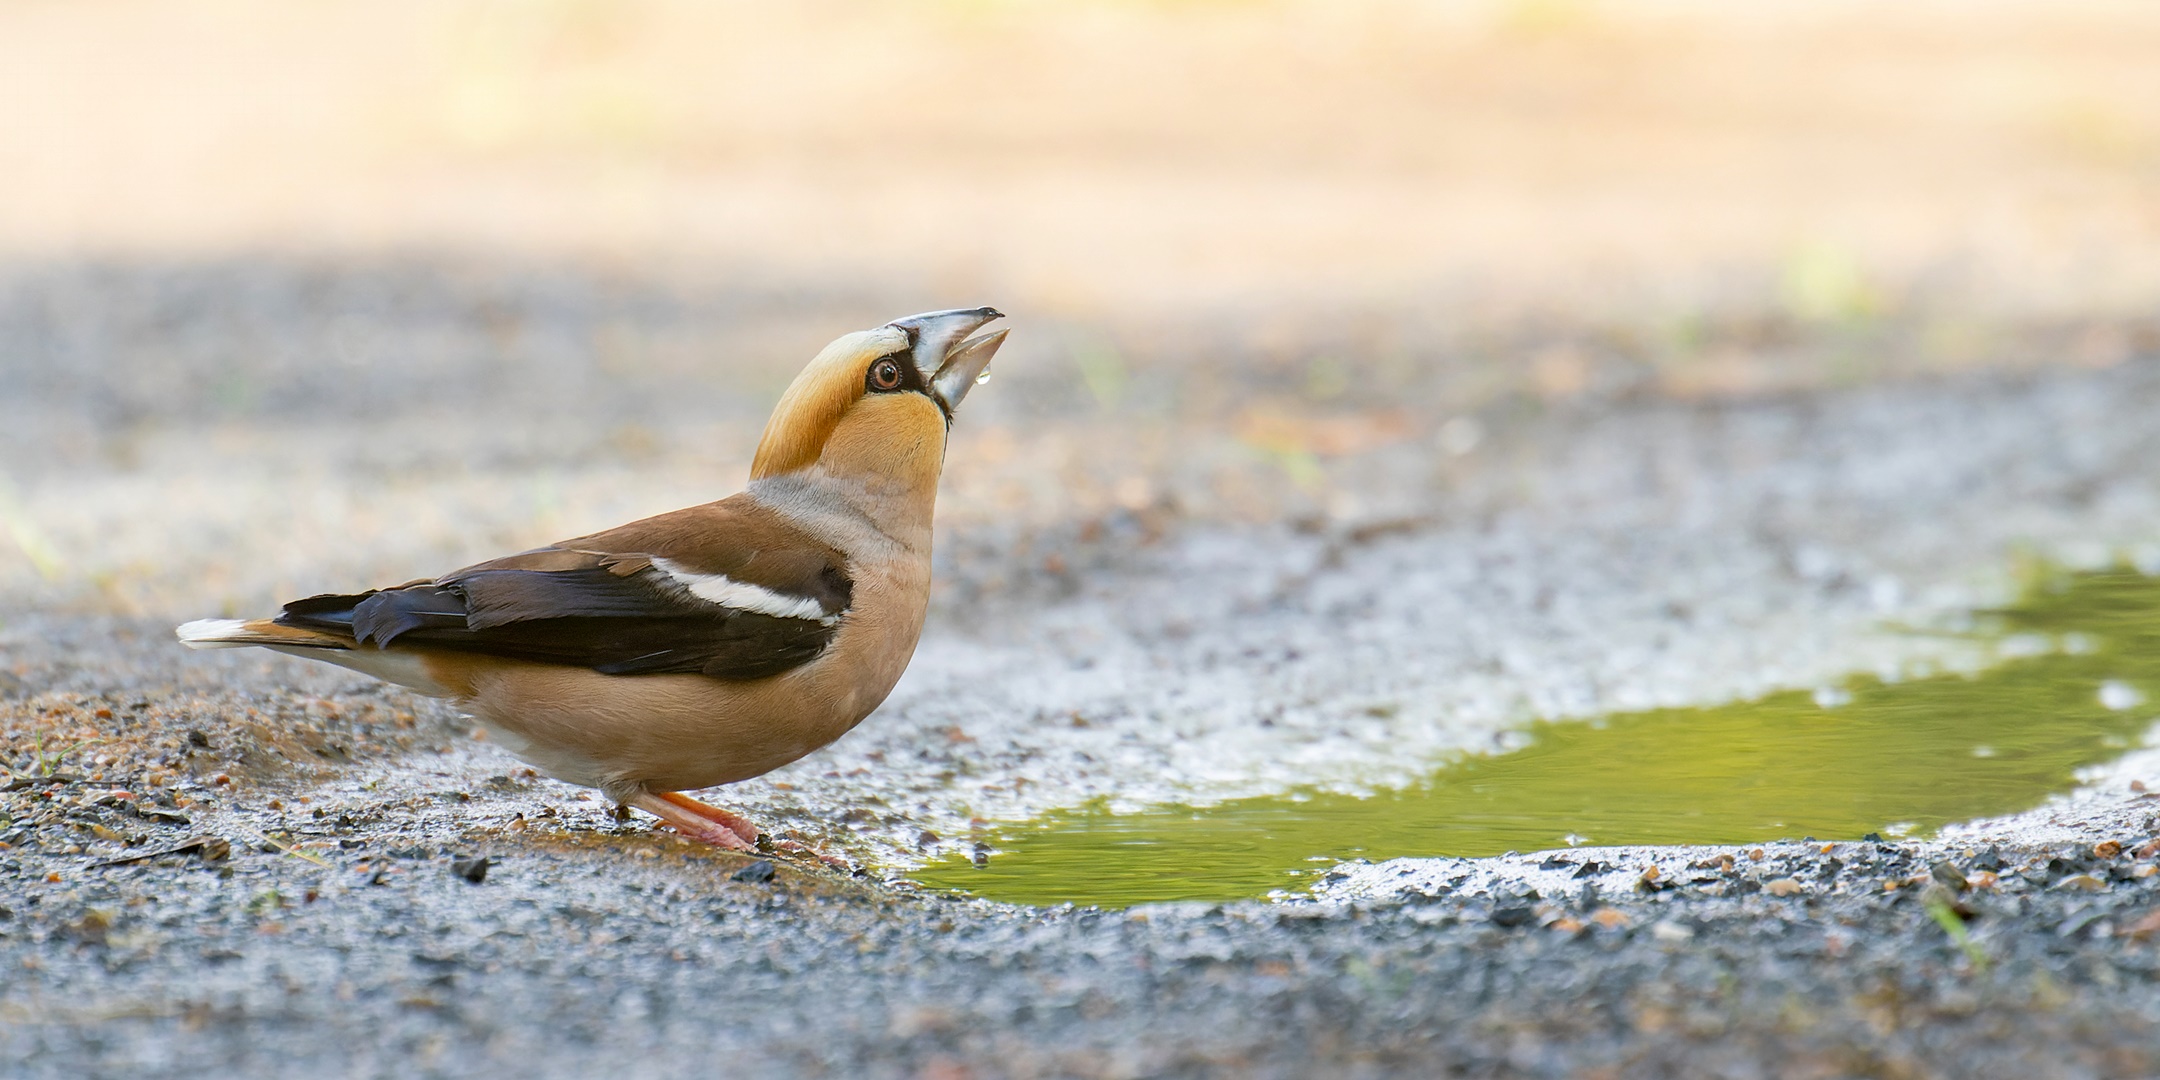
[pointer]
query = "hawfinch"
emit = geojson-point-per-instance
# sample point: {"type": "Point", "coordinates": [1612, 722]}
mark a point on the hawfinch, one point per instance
{"type": "Point", "coordinates": [705, 646]}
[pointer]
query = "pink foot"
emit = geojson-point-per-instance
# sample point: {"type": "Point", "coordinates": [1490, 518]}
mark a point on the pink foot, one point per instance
{"type": "Point", "coordinates": [698, 820]}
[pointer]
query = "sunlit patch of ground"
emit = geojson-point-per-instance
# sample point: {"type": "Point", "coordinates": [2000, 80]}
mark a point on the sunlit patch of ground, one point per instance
{"type": "Point", "coordinates": [1278, 160]}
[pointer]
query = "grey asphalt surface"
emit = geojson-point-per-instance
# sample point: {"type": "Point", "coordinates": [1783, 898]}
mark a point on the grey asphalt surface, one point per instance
{"type": "Point", "coordinates": [1223, 631]}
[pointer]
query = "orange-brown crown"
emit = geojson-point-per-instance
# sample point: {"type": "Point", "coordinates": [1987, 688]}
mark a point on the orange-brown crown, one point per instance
{"type": "Point", "coordinates": [938, 364]}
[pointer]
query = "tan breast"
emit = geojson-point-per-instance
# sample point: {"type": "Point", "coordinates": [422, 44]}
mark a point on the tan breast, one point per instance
{"type": "Point", "coordinates": [677, 732]}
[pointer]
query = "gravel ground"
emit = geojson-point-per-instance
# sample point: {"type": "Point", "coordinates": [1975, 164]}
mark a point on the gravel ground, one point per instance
{"type": "Point", "coordinates": [373, 953]}
{"type": "Point", "coordinates": [1199, 604]}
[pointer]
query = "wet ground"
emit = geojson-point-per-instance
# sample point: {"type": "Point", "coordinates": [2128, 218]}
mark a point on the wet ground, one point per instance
{"type": "Point", "coordinates": [2067, 697]}
{"type": "Point", "coordinates": [1279, 585]}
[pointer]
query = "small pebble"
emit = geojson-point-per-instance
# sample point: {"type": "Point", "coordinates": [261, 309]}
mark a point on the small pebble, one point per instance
{"type": "Point", "coordinates": [1512, 917]}
{"type": "Point", "coordinates": [2080, 922]}
{"type": "Point", "coordinates": [1784, 886]}
{"type": "Point", "coordinates": [2106, 849]}
{"type": "Point", "coordinates": [473, 870]}
{"type": "Point", "coordinates": [2084, 882]}
{"type": "Point", "coordinates": [1949, 875]}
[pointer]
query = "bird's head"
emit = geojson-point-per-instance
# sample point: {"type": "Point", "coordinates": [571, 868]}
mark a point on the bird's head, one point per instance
{"type": "Point", "coordinates": [878, 402]}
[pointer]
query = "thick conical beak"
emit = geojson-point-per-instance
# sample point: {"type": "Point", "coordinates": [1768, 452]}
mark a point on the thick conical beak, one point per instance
{"type": "Point", "coordinates": [964, 367]}
{"type": "Point", "coordinates": [948, 360]}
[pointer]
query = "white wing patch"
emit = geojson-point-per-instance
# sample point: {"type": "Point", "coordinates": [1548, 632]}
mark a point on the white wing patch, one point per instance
{"type": "Point", "coordinates": [728, 592]}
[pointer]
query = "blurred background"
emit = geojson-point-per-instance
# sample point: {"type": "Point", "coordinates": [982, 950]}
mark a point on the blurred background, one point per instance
{"type": "Point", "coordinates": [304, 296]}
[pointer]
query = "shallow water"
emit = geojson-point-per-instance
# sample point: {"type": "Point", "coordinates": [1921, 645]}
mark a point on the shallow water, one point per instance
{"type": "Point", "coordinates": [2079, 685]}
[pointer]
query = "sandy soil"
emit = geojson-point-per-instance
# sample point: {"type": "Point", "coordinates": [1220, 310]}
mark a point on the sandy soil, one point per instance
{"type": "Point", "coordinates": [1408, 165]}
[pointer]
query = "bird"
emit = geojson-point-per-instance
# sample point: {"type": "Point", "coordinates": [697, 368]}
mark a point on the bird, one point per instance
{"type": "Point", "coordinates": [704, 646]}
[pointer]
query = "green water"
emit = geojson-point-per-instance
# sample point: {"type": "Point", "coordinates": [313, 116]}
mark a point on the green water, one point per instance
{"type": "Point", "coordinates": [1898, 757]}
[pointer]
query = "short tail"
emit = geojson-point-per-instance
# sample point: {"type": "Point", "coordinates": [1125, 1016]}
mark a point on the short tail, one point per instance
{"type": "Point", "coordinates": [401, 666]}
{"type": "Point", "coordinates": [241, 633]}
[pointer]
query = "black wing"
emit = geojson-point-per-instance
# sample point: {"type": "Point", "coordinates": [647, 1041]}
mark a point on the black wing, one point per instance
{"type": "Point", "coordinates": [584, 616]}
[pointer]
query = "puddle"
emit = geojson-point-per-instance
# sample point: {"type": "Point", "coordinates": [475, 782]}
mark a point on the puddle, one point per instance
{"type": "Point", "coordinates": [2078, 686]}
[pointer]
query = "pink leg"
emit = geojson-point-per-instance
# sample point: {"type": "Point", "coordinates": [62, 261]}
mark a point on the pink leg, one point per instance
{"type": "Point", "coordinates": [697, 820]}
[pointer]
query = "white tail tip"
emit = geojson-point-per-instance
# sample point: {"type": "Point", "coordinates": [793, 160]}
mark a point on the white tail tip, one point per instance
{"type": "Point", "coordinates": [214, 634]}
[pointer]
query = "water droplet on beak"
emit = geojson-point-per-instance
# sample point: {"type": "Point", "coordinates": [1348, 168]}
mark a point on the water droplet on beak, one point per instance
{"type": "Point", "coordinates": [983, 378]}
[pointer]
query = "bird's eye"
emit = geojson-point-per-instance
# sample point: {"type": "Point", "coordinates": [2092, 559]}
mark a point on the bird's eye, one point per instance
{"type": "Point", "coordinates": [885, 375]}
